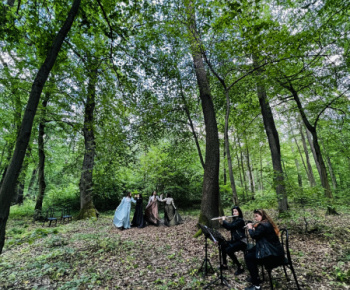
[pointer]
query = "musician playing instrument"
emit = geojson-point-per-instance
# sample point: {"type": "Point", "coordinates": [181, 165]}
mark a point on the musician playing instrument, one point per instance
{"type": "Point", "coordinates": [268, 249]}
{"type": "Point", "coordinates": [238, 239]}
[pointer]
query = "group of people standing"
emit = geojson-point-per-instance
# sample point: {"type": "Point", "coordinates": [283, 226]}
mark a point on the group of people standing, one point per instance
{"type": "Point", "coordinates": [140, 219]}
{"type": "Point", "coordinates": [267, 250]}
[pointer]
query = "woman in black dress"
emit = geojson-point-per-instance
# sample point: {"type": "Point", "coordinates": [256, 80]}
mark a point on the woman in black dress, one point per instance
{"type": "Point", "coordinates": [138, 219]}
{"type": "Point", "coordinates": [268, 249]}
{"type": "Point", "coordinates": [238, 239]}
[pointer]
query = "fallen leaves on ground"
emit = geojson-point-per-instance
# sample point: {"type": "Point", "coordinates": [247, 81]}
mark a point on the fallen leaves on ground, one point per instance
{"type": "Point", "coordinates": [95, 255]}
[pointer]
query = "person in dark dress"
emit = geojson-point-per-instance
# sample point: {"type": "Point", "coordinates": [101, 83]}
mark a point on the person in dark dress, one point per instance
{"type": "Point", "coordinates": [171, 215]}
{"type": "Point", "coordinates": [151, 211]}
{"type": "Point", "coordinates": [267, 250]}
{"type": "Point", "coordinates": [238, 239]}
{"type": "Point", "coordinates": [138, 219]}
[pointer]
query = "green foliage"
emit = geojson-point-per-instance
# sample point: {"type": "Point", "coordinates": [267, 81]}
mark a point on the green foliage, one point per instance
{"type": "Point", "coordinates": [24, 210]}
{"type": "Point", "coordinates": [62, 196]}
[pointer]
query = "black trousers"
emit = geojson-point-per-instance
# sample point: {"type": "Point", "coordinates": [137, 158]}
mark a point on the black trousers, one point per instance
{"type": "Point", "coordinates": [229, 248]}
{"type": "Point", "coordinates": [252, 263]}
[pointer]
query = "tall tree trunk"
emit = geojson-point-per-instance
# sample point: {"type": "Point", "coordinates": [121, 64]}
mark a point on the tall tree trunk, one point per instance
{"type": "Point", "coordinates": [311, 144]}
{"type": "Point", "coordinates": [8, 186]}
{"type": "Point", "coordinates": [243, 171]}
{"type": "Point", "coordinates": [300, 180]}
{"type": "Point", "coordinates": [225, 177]}
{"type": "Point", "coordinates": [250, 173]}
{"type": "Point", "coordinates": [228, 153]}
{"type": "Point", "coordinates": [21, 179]}
{"type": "Point", "coordinates": [261, 171]}
{"type": "Point", "coordinates": [210, 191]}
{"type": "Point", "coordinates": [240, 174]}
{"type": "Point", "coordinates": [274, 143]}
{"type": "Point", "coordinates": [330, 167]}
{"type": "Point", "coordinates": [87, 207]}
{"type": "Point", "coordinates": [41, 153]}
{"type": "Point", "coordinates": [312, 130]}
{"type": "Point", "coordinates": [32, 181]}
{"type": "Point", "coordinates": [309, 171]}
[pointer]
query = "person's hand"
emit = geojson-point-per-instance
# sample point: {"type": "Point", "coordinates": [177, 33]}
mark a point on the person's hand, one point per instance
{"type": "Point", "coordinates": [223, 218]}
{"type": "Point", "coordinates": [250, 226]}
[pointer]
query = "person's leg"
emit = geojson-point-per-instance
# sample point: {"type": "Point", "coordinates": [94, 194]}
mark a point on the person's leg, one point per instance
{"type": "Point", "coordinates": [235, 247]}
{"type": "Point", "coordinates": [251, 262]}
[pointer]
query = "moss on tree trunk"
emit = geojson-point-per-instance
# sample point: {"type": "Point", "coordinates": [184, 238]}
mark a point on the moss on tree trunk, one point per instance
{"type": "Point", "coordinates": [88, 211]}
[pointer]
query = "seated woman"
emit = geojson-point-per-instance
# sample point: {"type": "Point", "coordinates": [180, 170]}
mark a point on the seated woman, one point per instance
{"type": "Point", "coordinates": [122, 214]}
{"type": "Point", "coordinates": [238, 239]}
{"type": "Point", "coordinates": [171, 216]}
{"type": "Point", "coordinates": [138, 219]}
{"type": "Point", "coordinates": [268, 249]}
{"type": "Point", "coordinates": [151, 211]}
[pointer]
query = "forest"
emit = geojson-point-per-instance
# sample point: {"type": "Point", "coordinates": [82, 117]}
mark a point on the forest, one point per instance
{"type": "Point", "coordinates": [215, 102]}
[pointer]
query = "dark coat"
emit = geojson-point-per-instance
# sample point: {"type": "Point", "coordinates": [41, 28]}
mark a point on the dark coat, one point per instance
{"type": "Point", "coordinates": [237, 229]}
{"type": "Point", "coordinates": [267, 242]}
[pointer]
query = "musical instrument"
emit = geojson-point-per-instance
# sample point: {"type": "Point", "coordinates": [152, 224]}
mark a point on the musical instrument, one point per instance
{"type": "Point", "coordinates": [220, 217]}
{"type": "Point", "coordinates": [254, 224]}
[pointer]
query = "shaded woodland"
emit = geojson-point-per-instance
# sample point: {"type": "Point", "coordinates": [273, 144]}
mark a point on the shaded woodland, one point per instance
{"type": "Point", "coordinates": [215, 102]}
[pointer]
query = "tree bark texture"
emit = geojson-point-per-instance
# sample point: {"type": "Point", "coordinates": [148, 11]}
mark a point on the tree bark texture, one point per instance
{"type": "Point", "coordinates": [41, 153]}
{"type": "Point", "coordinates": [309, 171]}
{"type": "Point", "coordinates": [210, 190]}
{"type": "Point", "coordinates": [87, 208]}
{"type": "Point", "coordinates": [8, 186]}
{"type": "Point", "coordinates": [274, 143]}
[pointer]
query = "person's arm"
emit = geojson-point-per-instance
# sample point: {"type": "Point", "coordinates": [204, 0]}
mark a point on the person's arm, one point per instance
{"type": "Point", "coordinates": [236, 224]}
{"type": "Point", "coordinates": [259, 231]}
{"type": "Point", "coordinates": [161, 198]}
{"type": "Point", "coordinates": [172, 202]}
{"type": "Point", "coordinates": [133, 200]}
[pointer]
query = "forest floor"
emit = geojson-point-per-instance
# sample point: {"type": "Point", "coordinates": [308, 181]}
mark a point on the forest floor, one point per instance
{"type": "Point", "coordinates": [93, 254]}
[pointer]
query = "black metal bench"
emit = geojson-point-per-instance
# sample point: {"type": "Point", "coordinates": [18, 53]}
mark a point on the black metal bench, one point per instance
{"type": "Point", "coordinates": [50, 216]}
{"type": "Point", "coordinates": [66, 215]}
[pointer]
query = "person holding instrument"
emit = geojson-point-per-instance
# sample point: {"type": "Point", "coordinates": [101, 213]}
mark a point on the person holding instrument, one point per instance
{"type": "Point", "coordinates": [268, 249]}
{"type": "Point", "coordinates": [238, 239]}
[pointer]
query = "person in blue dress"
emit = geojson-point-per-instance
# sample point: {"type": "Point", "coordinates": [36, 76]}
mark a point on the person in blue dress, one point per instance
{"type": "Point", "coordinates": [121, 217]}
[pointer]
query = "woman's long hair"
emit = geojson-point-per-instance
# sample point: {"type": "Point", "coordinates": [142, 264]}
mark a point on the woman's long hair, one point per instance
{"type": "Point", "coordinates": [240, 214]}
{"type": "Point", "coordinates": [266, 217]}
